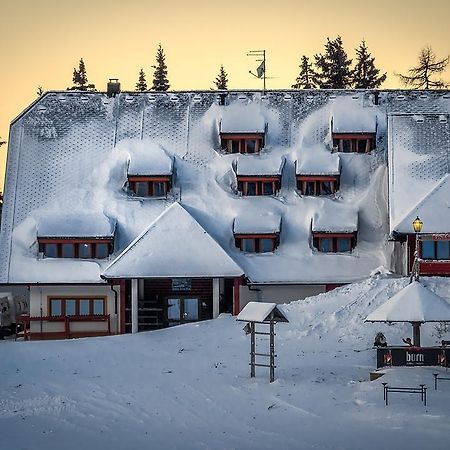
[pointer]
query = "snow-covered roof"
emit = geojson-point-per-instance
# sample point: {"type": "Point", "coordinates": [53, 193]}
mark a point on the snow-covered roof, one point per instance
{"type": "Point", "coordinates": [433, 210]}
{"type": "Point", "coordinates": [414, 303]}
{"type": "Point", "coordinates": [349, 116]}
{"type": "Point", "coordinates": [174, 245]}
{"type": "Point", "coordinates": [250, 223]}
{"type": "Point", "coordinates": [418, 160]}
{"type": "Point", "coordinates": [242, 118]}
{"type": "Point", "coordinates": [259, 165]}
{"type": "Point", "coordinates": [76, 225]}
{"type": "Point", "coordinates": [316, 160]}
{"type": "Point", "coordinates": [336, 219]}
{"type": "Point", "coordinates": [147, 158]}
{"type": "Point", "coordinates": [260, 312]}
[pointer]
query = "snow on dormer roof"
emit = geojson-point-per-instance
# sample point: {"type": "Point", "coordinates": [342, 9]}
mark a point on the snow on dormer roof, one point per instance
{"type": "Point", "coordinates": [336, 219]}
{"type": "Point", "coordinates": [250, 223]}
{"type": "Point", "coordinates": [147, 158]}
{"type": "Point", "coordinates": [317, 160]}
{"type": "Point", "coordinates": [75, 225]}
{"type": "Point", "coordinates": [174, 245]}
{"type": "Point", "coordinates": [349, 116]}
{"type": "Point", "coordinates": [259, 165]}
{"type": "Point", "coordinates": [242, 118]}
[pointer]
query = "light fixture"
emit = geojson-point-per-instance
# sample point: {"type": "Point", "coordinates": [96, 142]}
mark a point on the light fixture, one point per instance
{"type": "Point", "coordinates": [417, 225]}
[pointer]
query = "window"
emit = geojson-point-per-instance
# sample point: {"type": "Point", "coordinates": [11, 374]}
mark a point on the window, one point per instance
{"type": "Point", "coordinates": [76, 248]}
{"type": "Point", "coordinates": [142, 186]}
{"type": "Point", "coordinates": [242, 143]}
{"type": "Point", "coordinates": [354, 142]}
{"type": "Point", "coordinates": [435, 250]}
{"type": "Point", "coordinates": [77, 306]}
{"type": "Point", "coordinates": [258, 185]}
{"type": "Point", "coordinates": [317, 185]}
{"type": "Point", "coordinates": [334, 243]}
{"type": "Point", "coordinates": [256, 243]}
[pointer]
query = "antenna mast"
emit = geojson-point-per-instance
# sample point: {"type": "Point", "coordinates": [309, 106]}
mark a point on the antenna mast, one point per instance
{"type": "Point", "coordinates": [261, 70]}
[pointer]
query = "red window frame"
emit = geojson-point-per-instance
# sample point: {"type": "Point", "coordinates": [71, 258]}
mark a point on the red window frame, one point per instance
{"type": "Point", "coordinates": [150, 184]}
{"type": "Point", "coordinates": [43, 242]}
{"type": "Point", "coordinates": [435, 242]}
{"type": "Point", "coordinates": [355, 139]}
{"type": "Point", "coordinates": [239, 241]}
{"type": "Point", "coordinates": [334, 237]}
{"type": "Point", "coordinates": [259, 181]}
{"type": "Point", "coordinates": [317, 180]}
{"type": "Point", "coordinates": [242, 139]}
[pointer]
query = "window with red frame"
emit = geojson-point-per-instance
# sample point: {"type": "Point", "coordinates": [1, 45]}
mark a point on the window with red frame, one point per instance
{"type": "Point", "coordinates": [252, 243]}
{"type": "Point", "coordinates": [317, 185]}
{"type": "Point", "coordinates": [334, 243]}
{"type": "Point", "coordinates": [438, 250]}
{"type": "Point", "coordinates": [258, 185]}
{"type": "Point", "coordinates": [76, 248]}
{"type": "Point", "coordinates": [354, 142]}
{"type": "Point", "coordinates": [242, 143]}
{"type": "Point", "coordinates": [149, 186]}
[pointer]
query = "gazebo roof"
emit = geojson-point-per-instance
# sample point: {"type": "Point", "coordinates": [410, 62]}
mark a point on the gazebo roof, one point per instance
{"type": "Point", "coordinates": [414, 303]}
{"type": "Point", "coordinates": [260, 312]}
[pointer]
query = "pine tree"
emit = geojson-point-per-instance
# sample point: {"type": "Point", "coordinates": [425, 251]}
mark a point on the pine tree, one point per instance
{"type": "Point", "coordinates": [160, 81]}
{"type": "Point", "coordinates": [221, 81]}
{"type": "Point", "coordinates": [80, 81]}
{"type": "Point", "coordinates": [421, 76]}
{"type": "Point", "coordinates": [365, 74]}
{"type": "Point", "coordinates": [305, 79]}
{"type": "Point", "coordinates": [333, 67]}
{"type": "Point", "coordinates": [141, 85]}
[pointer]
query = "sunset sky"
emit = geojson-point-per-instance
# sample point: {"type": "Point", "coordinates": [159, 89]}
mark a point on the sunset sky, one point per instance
{"type": "Point", "coordinates": [41, 42]}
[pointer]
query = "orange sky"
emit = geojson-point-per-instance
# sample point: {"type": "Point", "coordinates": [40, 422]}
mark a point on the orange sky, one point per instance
{"type": "Point", "coordinates": [41, 42]}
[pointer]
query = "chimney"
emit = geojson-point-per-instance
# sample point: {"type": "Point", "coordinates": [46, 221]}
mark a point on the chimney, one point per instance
{"type": "Point", "coordinates": [113, 87]}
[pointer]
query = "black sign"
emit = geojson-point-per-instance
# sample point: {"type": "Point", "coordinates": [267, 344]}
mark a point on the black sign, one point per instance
{"type": "Point", "coordinates": [181, 284]}
{"type": "Point", "coordinates": [413, 356]}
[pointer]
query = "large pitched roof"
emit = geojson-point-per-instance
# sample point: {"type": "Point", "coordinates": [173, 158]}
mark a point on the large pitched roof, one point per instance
{"type": "Point", "coordinates": [174, 245]}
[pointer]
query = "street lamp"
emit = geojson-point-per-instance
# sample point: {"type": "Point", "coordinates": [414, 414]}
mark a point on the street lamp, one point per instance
{"type": "Point", "coordinates": [417, 227]}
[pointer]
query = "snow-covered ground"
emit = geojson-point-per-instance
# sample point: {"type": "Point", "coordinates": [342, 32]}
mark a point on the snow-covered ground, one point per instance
{"type": "Point", "coordinates": [189, 386]}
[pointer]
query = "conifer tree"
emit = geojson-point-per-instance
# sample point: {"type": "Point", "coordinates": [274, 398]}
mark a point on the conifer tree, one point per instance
{"type": "Point", "coordinates": [141, 85]}
{"type": "Point", "coordinates": [160, 81]}
{"type": "Point", "coordinates": [365, 74]}
{"type": "Point", "coordinates": [221, 81]}
{"type": "Point", "coordinates": [333, 67]}
{"type": "Point", "coordinates": [421, 76]}
{"type": "Point", "coordinates": [80, 81]}
{"type": "Point", "coordinates": [306, 77]}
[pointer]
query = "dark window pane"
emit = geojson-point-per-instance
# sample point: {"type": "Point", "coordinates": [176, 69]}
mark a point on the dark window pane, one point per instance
{"type": "Point", "coordinates": [51, 250]}
{"type": "Point", "coordinates": [336, 142]}
{"type": "Point", "coordinates": [84, 251]}
{"type": "Point", "coordinates": [266, 245]}
{"type": "Point", "coordinates": [362, 145]}
{"type": "Point", "coordinates": [428, 250]}
{"type": "Point", "coordinates": [325, 187]}
{"type": "Point", "coordinates": [71, 307]}
{"type": "Point", "coordinates": [234, 146]}
{"type": "Point", "coordinates": [55, 307]}
{"type": "Point", "coordinates": [346, 145]}
{"type": "Point", "coordinates": [371, 143]}
{"type": "Point", "coordinates": [248, 245]}
{"type": "Point", "coordinates": [159, 189]}
{"type": "Point", "coordinates": [251, 146]}
{"type": "Point", "coordinates": [268, 188]}
{"type": "Point", "coordinates": [251, 188]}
{"type": "Point", "coordinates": [309, 188]}
{"type": "Point", "coordinates": [84, 307]}
{"type": "Point", "coordinates": [102, 251]}
{"type": "Point", "coordinates": [343, 245]}
{"type": "Point", "coordinates": [140, 188]}
{"type": "Point", "coordinates": [98, 306]}
{"type": "Point", "coordinates": [443, 248]}
{"type": "Point", "coordinates": [68, 251]}
{"type": "Point", "coordinates": [326, 245]}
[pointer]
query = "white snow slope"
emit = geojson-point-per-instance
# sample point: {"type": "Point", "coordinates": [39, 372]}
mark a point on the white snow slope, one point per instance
{"type": "Point", "coordinates": [189, 387]}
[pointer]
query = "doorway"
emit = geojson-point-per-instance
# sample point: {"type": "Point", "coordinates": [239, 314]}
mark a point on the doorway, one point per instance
{"type": "Point", "coordinates": [182, 310]}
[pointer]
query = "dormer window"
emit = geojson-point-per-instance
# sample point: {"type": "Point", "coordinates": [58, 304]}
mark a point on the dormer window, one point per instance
{"type": "Point", "coordinates": [354, 142]}
{"type": "Point", "coordinates": [149, 186]}
{"type": "Point", "coordinates": [317, 184]}
{"type": "Point", "coordinates": [435, 249]}
{"type": "Point", "coordinates": [255, 233]}
{"type": "Point", "coordinates": [242, 143]}
{"type": "Point", "coordinates": [334, 242]}
{"type": "Point", "coordinates": [249, 186]}
{"type": "Point", "coordinates": [83, 236]}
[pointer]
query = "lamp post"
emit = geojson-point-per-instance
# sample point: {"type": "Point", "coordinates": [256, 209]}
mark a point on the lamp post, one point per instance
{"type": "Point", "coordinates": [417, 227]}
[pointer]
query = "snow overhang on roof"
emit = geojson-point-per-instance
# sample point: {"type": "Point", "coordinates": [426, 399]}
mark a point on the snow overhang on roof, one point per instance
{"type": "Point", "coordinates": [75, 225]}
{"type": "Point", "coordinates": [317, 161]}
{"type": "Point", "coordinates": [242, 118]}
{"type": "Point", "coordinates": [147, 158]}
{"type": "Point", "coordinates": [433, 210]}
{"type": "Point", "coordinates": [261, 312]}
{"type": "Point", "coordinates": [257, 224]}
{"type": "Point", "coordinates": [175, 245]}
{"type": "Point", "coordinates": [335, 219]}
{"type": "Point", "coordinates": [350, 116]}
{"type": "Point", "coordinates": [259, 165]}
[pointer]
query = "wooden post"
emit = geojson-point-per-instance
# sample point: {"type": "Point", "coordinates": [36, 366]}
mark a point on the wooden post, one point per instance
{"type": "Point", "coordinates": [416, 334]}
{"type": "Point", "coordinates": [252, 349]}
{"type": "Point", "coordinates": [236, 297]}
{"type": "Point", "coordinates": [122, 299]}
{"type": "Point", "coordinates": [272, 349]}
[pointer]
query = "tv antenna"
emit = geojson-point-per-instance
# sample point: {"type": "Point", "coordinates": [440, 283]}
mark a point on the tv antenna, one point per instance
{"type": "Point", "coordinates": [261, 69]}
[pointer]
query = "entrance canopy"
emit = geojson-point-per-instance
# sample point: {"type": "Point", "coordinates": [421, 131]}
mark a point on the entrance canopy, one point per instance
{"type": "Point", "coordinates": [414, 303]}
